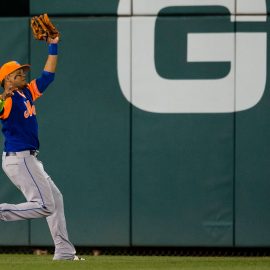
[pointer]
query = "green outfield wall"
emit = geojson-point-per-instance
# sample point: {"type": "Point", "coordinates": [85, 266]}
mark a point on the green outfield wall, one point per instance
{"type": "Point", "coordinates": [157, 126]}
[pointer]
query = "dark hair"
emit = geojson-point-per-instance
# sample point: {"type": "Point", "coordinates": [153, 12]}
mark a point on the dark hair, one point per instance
{"type": "Point", "coordinates": [3, 83]}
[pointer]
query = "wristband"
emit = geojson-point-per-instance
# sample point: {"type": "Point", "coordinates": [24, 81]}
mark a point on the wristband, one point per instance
{"type": "Point", "coordinates": [53, 49]}
{"type": "Point", "coordinates": [2, 103]}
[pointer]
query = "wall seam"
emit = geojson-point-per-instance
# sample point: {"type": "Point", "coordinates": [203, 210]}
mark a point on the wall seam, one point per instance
{"type": "Point", "coordinates": [131, 137]}
{"type": "Point", "coordinates": [234, 132]}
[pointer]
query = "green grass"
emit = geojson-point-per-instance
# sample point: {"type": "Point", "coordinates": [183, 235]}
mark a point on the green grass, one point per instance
{"type": "Point", "coordinates": [33, 262]}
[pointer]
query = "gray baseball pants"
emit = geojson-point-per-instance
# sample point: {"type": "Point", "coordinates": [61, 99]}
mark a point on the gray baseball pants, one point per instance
{"type": "Point", "coordinates": [43, 199]}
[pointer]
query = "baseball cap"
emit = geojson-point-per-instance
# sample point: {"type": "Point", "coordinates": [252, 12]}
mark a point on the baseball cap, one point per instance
{"type": "Point", "coordinates": [11, 66]}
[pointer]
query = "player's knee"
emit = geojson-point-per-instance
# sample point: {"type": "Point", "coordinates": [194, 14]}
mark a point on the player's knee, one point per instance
{"type": "Point", "coordinates": [60, 196]}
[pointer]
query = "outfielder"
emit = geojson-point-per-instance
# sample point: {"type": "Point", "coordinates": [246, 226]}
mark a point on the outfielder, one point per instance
{"type": "Point", "coordinates": [19, 160]}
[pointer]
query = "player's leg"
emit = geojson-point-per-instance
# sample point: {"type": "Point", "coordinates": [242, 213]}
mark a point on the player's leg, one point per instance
{"type": "Point", "coordinates": [64, 250]}
{"type": "Point", "coordinates": [27, 175]}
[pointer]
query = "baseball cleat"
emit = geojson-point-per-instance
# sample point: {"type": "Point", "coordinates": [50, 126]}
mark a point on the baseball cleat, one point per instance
{"type": "Point", "coordinates": [76, 258]}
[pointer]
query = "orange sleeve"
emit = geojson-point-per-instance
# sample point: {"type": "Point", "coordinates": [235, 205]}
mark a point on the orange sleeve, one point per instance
{"type": "Point", "coordinates": [32, 86]}
{"type": "Point", "coordinates": [7, 108]}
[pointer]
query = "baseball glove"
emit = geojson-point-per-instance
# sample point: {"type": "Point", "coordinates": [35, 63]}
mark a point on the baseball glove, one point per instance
{"type": "Point", "coordinates": [43, 28]}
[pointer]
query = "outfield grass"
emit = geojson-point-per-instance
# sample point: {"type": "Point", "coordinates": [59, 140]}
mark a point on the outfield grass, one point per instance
{"type": "Point", "coordinates": [33, 262]}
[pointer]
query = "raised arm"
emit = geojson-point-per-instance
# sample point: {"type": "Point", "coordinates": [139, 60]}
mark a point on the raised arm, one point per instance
{"type": "Point", "coordinates": [51, 62]}
{"type": "Point", "coordinates": [47, 76]}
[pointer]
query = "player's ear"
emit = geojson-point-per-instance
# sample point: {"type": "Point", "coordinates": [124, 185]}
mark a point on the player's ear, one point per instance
{"type": "Point", "coordinates": [6, 81]}
{"type": "Point", "coordinates": [7, 78]}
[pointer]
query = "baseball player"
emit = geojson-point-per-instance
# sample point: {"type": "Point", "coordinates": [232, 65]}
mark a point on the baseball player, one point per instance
{"type": "Point", "coordinates": [19, 160]}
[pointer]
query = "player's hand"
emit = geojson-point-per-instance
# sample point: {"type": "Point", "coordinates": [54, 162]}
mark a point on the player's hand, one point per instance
{"type": "Point", "coordinates": [53, 40]}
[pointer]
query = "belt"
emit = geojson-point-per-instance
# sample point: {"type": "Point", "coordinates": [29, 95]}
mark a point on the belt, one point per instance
{"type": "Point", "coordinates": [31, 152]}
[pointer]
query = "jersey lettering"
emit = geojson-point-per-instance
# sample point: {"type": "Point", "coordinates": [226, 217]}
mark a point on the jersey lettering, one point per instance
{"type": "Point", "coordinates": [30, 109]}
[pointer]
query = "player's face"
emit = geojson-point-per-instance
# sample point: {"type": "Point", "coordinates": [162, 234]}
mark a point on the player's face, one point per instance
{"type": "Point", "coordinates": [18, 78]}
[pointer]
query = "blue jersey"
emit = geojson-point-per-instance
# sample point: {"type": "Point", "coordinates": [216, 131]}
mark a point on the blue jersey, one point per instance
{"type": "Point", "coordinates": [19, 122]}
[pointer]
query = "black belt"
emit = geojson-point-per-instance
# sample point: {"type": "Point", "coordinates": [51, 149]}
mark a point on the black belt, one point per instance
{"type": "Point", "coordinates": [31, 152]}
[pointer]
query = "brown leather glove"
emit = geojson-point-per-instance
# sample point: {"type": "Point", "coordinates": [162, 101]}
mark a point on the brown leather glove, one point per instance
{"type": "Point", "coordinates": [43, 28]}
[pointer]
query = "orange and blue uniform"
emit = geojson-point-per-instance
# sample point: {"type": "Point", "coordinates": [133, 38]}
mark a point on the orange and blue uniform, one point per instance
{"type": "Point", "coordinates": [19, 159]}
{"type": "Point", "coordinates": [19, 122]}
